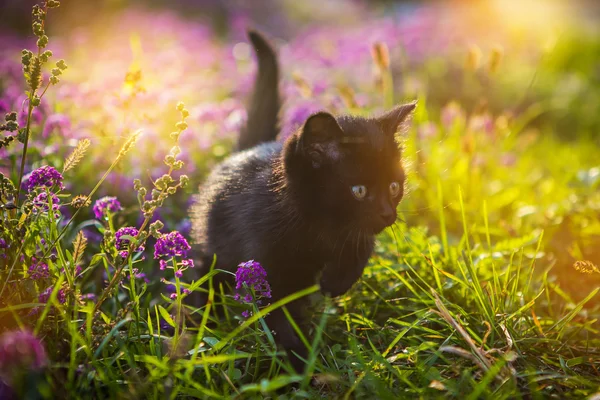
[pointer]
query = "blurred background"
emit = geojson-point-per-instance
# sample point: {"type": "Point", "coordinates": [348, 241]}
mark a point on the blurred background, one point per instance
{"type": "Point", "coordinates": [509, 98]}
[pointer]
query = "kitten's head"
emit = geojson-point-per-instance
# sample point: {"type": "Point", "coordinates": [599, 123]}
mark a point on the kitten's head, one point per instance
{"type": "Point", "coordinates": [348, 169]}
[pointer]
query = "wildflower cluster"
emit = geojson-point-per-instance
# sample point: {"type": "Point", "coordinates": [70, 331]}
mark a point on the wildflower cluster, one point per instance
{"type": "Point", "coordinates": [251, 277]}
{"type": "Point", "coordinates": [105, 205]}
{"type": "Point", "coordinates": [61, 295]}
{"type": "Point", "coordinates": [38, 271]}
{"type": "Point", "coordinates": [172, 246]}
{"type": "Point", "coordinates": [123, 238]}
{"type": "Point", "coordinates": [43, 202]}
{"type": "Point", "coordinates": [45, 176]}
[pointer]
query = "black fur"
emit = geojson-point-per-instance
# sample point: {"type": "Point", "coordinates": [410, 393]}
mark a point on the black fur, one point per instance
{"type": "Point", "coordinates": [291, 207]}
{"type": "Point", "coordinates": [265, 103]}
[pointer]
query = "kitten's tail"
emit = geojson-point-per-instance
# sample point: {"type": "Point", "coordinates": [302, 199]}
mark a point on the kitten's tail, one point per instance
{"type": "Point", "coordinates": [265, 103]}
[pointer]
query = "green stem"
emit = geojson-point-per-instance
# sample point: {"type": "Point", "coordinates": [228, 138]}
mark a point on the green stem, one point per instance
{"type": "Point", "coordinates": [178, 320]}
{"type": "Point", "coordinates": [25, 145]}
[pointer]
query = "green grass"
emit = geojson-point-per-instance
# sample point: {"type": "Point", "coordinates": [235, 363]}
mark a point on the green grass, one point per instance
{"type": "Point", "coordinates": [473, 319]}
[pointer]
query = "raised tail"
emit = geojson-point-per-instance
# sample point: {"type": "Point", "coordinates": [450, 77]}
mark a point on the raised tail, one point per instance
{"type": "Point", "coordinates": [263, 109]}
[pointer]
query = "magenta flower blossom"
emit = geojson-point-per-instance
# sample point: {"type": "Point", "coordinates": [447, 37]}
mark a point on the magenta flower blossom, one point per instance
{"type": "Point", "coordinates": [20, 352]}
{"type": "Point", "coordinates": [38, 271]}
{"type": "Point", "coordinates": [104, 204]}
{"type": "Point", "coordinates": [171, 245]}
{"type": "Point", "coordinates": [45, 176]}
{"type": "Point", "coordinates": [88, 296]}
{"type": "Point", "coordinates": [188, 263]}
{"type": "Point", "coordinates": [61, 296]}
{"type": "Point", "coordinates": [56, 122]}
{"type": "Point", "coordinates": [138, 275]}
{"type": "Point", "coordinates": [122, 244]}
{"type": "Point", "coordinates": [452, 113]}
{"type": "Point", "coordinates": [41, 203]}
{"type": "Point", "coordinates": [253, 276]}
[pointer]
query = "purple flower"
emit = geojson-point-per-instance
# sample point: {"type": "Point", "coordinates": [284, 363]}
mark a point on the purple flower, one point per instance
{"type": "Point", "coordinates": [138, 275]}
{"type": "Point", "coordinates": [61, 296]}
{"type": "Point", "coordinates": [4, 107]}
{"type": "Point", "coordinates": [58, 122]}
{"type": "Point", "coordinates": [482, 123]}
{"type": "Point", "coordinates": [252, 275]}
{"type": "Point", "coordinates": [36, 115]}
{"type": "Point", "coordinates": [104, 204]}
{"type": "Point", "coordinates": [88, 296]}
{"type": "Point", "coordinates": [41, 203]}
{"type": "Point", "coordinates": [427, 130]}
{"type": "Point", "coordinates": [3, 244]}
{"type": "Point", "coordinates": [170, 287]}
{"type": "Point", "coordinates": [171, 245]}
{"type": "Point", "coordinates": [188, 263]}
{"type": "Point", "coordinates": [45, 176]}
{"type": "Point", "coordinates": [122, 244]}
{"type": "Point", "coordinates": [185, 227]}
{"type": "Point", "coordinates": [38, 271]}
{"type": "Point", "coordinates": [163, 265]}
{"type": "Point", "coordinates": [450, 113]}
{"type": "Point", "coordinates": [20, 351]}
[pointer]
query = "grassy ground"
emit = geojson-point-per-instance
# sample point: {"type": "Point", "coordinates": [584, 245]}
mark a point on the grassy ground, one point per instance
{"type": "Point", "coordinates": [486, 287]}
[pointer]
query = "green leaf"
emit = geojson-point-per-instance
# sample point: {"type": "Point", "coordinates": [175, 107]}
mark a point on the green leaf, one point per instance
{"type": "Point", "coordinates": [165, 314]}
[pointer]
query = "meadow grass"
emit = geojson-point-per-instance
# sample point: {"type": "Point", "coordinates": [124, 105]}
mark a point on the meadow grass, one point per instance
{"type": "Point", "coordinates": [486, 287]}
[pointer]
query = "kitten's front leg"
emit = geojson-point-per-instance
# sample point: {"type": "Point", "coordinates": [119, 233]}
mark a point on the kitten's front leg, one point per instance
{"type": "Point", "coordinates": [286, 336]}
{"type": "Point", "coordinates": [339, 276]}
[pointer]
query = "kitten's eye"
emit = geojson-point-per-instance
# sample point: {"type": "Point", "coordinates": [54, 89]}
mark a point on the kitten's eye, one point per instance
{"type": "Point", "coordinates": [359, 191]}
{"type": "Point", "coordinates": [394, 189]}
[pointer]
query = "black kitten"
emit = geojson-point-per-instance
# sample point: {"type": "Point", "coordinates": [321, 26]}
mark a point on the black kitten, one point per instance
{"type": "Point", "coordinates": [308, 209]}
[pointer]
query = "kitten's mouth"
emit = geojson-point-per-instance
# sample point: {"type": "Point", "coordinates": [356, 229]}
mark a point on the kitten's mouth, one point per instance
{"type": "Point", "coordinates": [379, 226]}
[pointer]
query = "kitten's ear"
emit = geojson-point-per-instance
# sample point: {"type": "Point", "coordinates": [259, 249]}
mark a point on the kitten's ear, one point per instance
{"type": "Point", "coordinates": [390, 121]}
{"type": "Point", "coordinates": [320, 138]}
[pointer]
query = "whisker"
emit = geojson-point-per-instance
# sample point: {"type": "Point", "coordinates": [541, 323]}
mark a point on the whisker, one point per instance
{"type": "Point", "coordinates": [396, 241]}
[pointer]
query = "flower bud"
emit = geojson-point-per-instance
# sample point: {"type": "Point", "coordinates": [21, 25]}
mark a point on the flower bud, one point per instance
{"type": "Point", "coordinates": [381, 55]}
{"type": "Point", "coordinates": [38, 30]}
{"type": "Point", "coordinates": [473, 58]}
{"type": "Point", "coordinates": [45, 55]}
{"type": "Point", "coordinates": [495, 58]}
{"type": "Point", "coordinates": [155, 228]}
{"type": "Point", "coordinates": [61, 64]}
{"type": "Point", "coordinates": [42, 41]}
{"type": "Point", "coordinates": [169, 159]}
{"type": "Point", "coordinates": [184, 180]}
